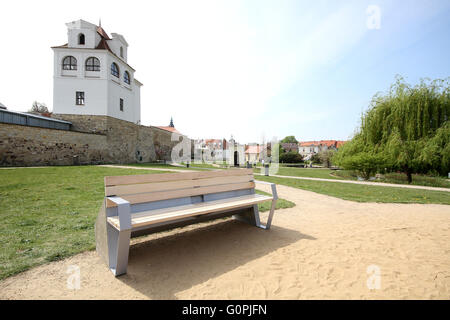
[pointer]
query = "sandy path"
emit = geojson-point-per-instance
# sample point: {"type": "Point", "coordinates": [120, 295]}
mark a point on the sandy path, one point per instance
{"type": "Point", "coordinates": [319, 249]}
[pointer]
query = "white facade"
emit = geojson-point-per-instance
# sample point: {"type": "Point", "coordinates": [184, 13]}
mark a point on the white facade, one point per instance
{"type": "Point", "coordinates": [102, 91]}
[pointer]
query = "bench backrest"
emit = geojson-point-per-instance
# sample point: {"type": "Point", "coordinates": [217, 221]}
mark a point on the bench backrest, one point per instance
{"type": "Point", "coordinates": [156, 187]}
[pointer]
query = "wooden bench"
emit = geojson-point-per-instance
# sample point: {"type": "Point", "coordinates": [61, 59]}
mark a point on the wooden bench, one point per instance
{"type": "Point", "coordinates": [141, 204]}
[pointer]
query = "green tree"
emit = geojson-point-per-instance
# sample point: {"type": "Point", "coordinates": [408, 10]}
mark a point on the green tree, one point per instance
{"type": "Point", "coordinates": [289, 139]}
{"type": "Point", "coordinates": [405, 130]}
{"type": "Point", "coordinates": [326, 157]}
{"type": "Point", "coordinates": [38, 107]}
{"type": "Point", "coordinates": [291, 157]}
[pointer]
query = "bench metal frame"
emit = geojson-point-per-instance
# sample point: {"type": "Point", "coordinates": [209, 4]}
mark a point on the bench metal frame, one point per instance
{"type": "Point", "coordinates": [113, 244]}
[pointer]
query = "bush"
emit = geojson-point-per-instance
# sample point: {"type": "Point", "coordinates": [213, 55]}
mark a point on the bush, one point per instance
{"type": "Point", "coordinates": [290, 157]}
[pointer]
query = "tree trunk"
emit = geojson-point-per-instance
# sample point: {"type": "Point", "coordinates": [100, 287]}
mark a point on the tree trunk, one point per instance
{"type": "Point", "coordinates": [409, 176]}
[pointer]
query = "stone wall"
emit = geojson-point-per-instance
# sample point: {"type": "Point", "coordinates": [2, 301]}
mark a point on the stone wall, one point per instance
{"type": "Point", "coordinates": [32, 146]}
{"type": "Point", "coordinates": [93, 139]}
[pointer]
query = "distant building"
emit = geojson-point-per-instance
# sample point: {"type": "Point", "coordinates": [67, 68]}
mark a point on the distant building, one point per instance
{"type": "Point", "coordinates": [254, 153]}
{"type": "Point", "coordinates": [92, 75]}
{"type": "Point", "coordinates": [212, 149]}
{"type": "Point", "coordinates": [170, 127]}
{"type": "Point", "coordinates": [308, 148]}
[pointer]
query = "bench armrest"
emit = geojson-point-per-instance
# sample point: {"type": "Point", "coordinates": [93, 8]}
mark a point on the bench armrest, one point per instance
{"type": "Point", "coordinates": [273, 187]}
{"type": "Point", "coordinates": [124, 212]}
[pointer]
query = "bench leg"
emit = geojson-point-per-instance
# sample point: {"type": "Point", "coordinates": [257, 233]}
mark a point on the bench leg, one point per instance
{"type": "Point", "coordinates": [118, 248]}
{"type": "Point", "coordinates": [269, 219]}
{"type": "Point", "coordinates": [250, 216]}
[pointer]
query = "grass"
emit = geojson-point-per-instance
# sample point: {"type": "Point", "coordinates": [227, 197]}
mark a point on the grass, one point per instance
{"type": "Point", "coordinates": [192, 166]}
{"type": "Point", "coordinates": [49, 213]}
{"type": "Point", "coordinates": [400, 178]}
{"type": "Point", "coordinates": [304, 172]}
{"type": "Point", "coordinates": [365, 193]}
{"type": "Point", "coordinates": [281, 203]}
{"type": "Point", "coordinates": [161, 166]}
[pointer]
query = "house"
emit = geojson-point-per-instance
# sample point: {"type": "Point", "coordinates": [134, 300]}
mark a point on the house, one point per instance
{"type": "Point", "coordinates": [92, 75]}
{"type": "Point", "coordinates": [308, 148]}
{"type": "Point", "coordinates": [212, 149]}
{"type": "Point", "coordinates": [254, 153]}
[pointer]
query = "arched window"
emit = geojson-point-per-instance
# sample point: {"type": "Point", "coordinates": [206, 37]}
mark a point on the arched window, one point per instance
{"type": "Point", "coordinates": [115, 70]}
{"type": "Point", "coordinates": [69, 63]}
{"type": "Point", "coordinates": [81, 38]}
{"type": "Point", "coordinates": [126, 77]}
{"type": "Point", "coordinates": [92, 64]}
{"type": "Point", "coordinates": [121, 52]}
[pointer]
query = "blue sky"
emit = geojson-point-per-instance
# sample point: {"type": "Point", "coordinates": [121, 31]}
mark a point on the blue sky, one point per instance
{"type": "Point", "coordinates": [249, 68]}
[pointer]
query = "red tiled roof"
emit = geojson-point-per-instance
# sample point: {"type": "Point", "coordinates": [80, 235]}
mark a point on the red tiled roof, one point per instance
{"type": "Point", "coordinates": [103, 33]}
{"type": "Point", "coordinates": [254, 149]}
{"type": "Point", "coordinates": [209, 141]}
{"type": "Point", "coordinates": [102, 45]}
{"type": "Point", "coordinates": [309, 143]}
{"type": "Point", "coordinates": [170, 129]}
{"type": "Point", "coordinates": [328, 143]}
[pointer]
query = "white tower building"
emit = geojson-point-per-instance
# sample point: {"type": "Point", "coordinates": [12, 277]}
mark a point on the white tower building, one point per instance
{"type": "Point", "coordinates": [92, 76]}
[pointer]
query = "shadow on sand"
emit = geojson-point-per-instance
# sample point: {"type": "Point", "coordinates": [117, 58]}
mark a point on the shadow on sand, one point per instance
{"type": "Point", "coordinates": [162, 267]}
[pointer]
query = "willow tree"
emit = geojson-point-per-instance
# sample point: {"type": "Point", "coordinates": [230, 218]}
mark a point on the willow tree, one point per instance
{"type": "Point", "coordinates": [406, 129]}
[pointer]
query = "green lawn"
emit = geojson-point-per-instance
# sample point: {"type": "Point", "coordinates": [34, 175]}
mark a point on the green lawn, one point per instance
{"type": "Point", "coordinates": [192, 166]}
{"type": "Point", "coordinates": [364, 193]}
{"type": "Point", "coordinates": [161, 166]}
{"type": "Point", "coordinates": [281, 203]}
{"type": "Point", "coordinates": [304, 172]}
{"type": "Point", "coordinates": [49, 213]}
{"type": "Point", "coordinates": [399, 178]}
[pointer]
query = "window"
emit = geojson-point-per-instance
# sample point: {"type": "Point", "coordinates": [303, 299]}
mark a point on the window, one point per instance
{"type": "Point", "coordinates": [79, 97]}
{"type": "Point", "coordinates": [121, 52]}
{"type": "Point", "coordinates": [115, 70]}
{"type": "Point", "coordinates": [121, 104]}
{"type": "Point", "coordinates": [92, 64]}
{"type": "Point", "coordinates": [81, 39]}
{"type": "Point", "coordinates": [69, 63]}
{"type": "Point", "coordinates": [126, 77]}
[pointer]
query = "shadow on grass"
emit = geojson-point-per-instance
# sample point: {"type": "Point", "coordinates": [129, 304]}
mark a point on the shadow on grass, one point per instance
{"type": "Point", "coordinates": [162, 267]}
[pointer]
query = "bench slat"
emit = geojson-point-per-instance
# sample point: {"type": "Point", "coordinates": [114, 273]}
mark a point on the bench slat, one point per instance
{"type": "Point", "coordinates": [169, 214]}
{"type": "Point", "coordinates": [165, 195]}
{"type": "Point", "coordinates": [165, 177]}
{"type": "Point", "coordinates": [123, 190]}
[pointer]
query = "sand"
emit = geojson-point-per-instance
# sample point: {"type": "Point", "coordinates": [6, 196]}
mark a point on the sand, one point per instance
{"type": "Point", "coordinates": [320, 249]}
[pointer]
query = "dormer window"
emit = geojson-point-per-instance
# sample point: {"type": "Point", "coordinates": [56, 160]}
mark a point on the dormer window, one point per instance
{"type": "Point", "coordinates": [121, 52]}
{"type": "Point", "coordinates": [92, 64]}
{"type": "Point", "coordinates": [115, 70]}
{"type": "Point", "coordinates": [69, 63]}
{"type": "Point", "coordinates": [81, 39]}
{"type": "Point", "coordinates": [126, 77]}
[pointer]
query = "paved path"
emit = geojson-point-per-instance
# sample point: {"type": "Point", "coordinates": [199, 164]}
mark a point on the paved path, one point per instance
{"type": "Point", "coordinates": [378, 184]}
